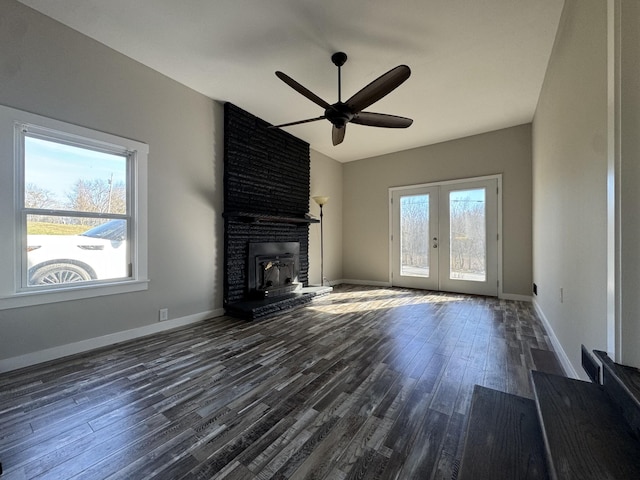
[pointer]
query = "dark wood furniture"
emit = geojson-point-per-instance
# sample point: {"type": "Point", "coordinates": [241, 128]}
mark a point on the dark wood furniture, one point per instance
{"type": "Point", "coordinates": [503, 438]}
{"type": "Point", "coordinates": [586, 430]}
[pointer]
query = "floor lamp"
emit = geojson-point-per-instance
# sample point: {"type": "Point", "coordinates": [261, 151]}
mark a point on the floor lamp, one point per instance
{"type": "Point", "coordinates": [320, 200]}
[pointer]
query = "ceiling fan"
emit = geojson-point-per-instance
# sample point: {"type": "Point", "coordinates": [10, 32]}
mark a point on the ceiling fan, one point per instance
{"type": "Point", "coordinates": [341, 113]}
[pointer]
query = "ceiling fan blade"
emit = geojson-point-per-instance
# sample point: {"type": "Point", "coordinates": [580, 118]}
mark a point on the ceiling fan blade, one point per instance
{"type": "Point", "coordinates": [381, 120]}
{"type": "Point", "coordinates": [337, 135]}
{"type": "Point", "coordinates": [380, 87]}
{"type": "Point", "coordinates": [322, 117]}
{"type": "Point", "coordinates": [302, 90]}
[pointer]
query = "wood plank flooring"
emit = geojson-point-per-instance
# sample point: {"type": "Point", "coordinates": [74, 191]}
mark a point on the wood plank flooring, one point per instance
{"type": "Point", "coordinates": [503, 440]}
{"type": "Point", "coordinates": [365, 383]}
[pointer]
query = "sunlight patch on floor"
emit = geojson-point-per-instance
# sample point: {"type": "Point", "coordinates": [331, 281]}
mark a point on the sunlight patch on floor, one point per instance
{"type": "Point", "coordinates": [379, 299]}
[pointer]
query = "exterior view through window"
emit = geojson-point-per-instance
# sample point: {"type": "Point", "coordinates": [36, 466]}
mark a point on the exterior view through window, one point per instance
{"type": "Point", "coordinates": [467, 220]}
{"type": "Point", "coordinates": [414, 235]}
{"type": "Point", "coordinates": [76, 212]}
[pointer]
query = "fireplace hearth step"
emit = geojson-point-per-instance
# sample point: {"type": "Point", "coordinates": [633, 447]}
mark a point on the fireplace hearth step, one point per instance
{"type": "Point", "coordinates": [266, 307]}
{"type": "Point", "coordinates": [273, 292]}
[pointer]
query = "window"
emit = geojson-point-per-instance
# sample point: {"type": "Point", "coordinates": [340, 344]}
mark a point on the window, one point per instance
{"type": "Point", "coordinates": [76, 211]}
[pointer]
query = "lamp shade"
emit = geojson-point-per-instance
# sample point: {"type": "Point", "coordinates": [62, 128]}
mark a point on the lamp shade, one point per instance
{"type": "Point", "coordinates": [320, 200]}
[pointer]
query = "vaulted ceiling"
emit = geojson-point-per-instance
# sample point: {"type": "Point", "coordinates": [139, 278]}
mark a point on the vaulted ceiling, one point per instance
{"type": "Point", "coordinates": [477, 65]}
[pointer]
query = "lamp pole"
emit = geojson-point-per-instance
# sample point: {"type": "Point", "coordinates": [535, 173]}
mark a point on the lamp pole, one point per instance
{"type": "Point", "coordinates": [320, 200]}
{"type": "Point", "coordinates": [321, 250]}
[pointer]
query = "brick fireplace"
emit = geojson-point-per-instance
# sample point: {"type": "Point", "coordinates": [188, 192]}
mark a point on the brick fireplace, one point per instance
{"type": "Point", "coordinates": [266, 201]}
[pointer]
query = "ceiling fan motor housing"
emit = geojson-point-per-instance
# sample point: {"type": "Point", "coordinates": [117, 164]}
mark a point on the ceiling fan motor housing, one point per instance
{"type": "Point", "coordinates": [339, 114]}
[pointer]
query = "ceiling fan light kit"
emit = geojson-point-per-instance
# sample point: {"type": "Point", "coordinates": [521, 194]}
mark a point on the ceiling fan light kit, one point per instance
{"type": "Point", "coordinates": [341, 113]}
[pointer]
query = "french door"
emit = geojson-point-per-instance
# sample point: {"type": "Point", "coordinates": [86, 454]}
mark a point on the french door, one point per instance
{"type": "Point", "coordinates": [445, 236]}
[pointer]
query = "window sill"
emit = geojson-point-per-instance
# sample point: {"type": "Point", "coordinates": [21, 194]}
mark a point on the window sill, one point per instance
{"type": "Point", "coordinates": [42, 297]}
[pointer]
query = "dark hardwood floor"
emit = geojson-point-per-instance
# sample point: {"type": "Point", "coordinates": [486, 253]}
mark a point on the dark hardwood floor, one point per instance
{"type": "Point", "coordinates": [366, 383]}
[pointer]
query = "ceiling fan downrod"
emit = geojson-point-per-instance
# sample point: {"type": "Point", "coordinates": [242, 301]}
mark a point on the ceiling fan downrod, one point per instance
{"type": "Point", "coordinates": [339, 59]}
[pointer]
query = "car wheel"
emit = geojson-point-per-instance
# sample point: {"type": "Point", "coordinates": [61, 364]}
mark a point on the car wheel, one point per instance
{"type": "Point", "coordinates": [59, 273]}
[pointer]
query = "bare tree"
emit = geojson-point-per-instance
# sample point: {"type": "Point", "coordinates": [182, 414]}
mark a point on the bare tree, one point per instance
{"type": "Point", "coordinates": [468, 244]}
{"type": "Point", "coordinates": [98, 195]}
{"type": "Point", "coordinates": [38, 197]}
{"type": "Point", "coordinates": [414, 230]}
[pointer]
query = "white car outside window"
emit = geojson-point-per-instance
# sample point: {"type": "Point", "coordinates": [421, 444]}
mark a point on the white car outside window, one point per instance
{"type": "Point", "coordinates": [100, 253]}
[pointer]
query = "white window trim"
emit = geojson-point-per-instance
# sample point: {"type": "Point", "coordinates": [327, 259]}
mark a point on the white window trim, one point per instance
{"type": "Point", "coordinates": [12, 295]}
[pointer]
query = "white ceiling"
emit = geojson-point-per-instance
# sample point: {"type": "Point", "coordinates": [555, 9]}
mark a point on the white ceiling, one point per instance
{"type": "Point", "coordinates": [477, 65]}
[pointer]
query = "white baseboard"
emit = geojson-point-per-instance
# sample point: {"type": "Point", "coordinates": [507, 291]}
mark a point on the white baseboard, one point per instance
{"type": "Point", "coordinates": [562, 355]}
{"type": "Point", "coordinates": [371, 283]}
{"type": "Point", "coordinates": [515, 297]}
{"type": "Point", "coordinates": [54, 353]}
{"type": "Point", "coordinates": [505, 296]}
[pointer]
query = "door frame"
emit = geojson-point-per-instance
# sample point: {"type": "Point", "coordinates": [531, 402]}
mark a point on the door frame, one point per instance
{"type": "Point", "coordinates": [497, 177]}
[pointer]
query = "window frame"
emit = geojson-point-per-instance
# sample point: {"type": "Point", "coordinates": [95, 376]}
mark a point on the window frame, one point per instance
{"type": "Point", "coordinates": [15, 125]}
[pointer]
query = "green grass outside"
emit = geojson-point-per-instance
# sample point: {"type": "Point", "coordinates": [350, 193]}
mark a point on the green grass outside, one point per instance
{"type": "Point", "coordinates": [43, 228]}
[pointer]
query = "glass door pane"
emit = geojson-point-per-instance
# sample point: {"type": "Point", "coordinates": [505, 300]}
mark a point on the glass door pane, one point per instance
{"type": "Point", "coordinates": [467, 235]}
{"type": "Point", "coordinates": [414, 235]}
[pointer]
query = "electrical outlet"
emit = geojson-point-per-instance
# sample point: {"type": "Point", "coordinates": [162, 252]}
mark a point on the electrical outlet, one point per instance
{"type": "Point", "coordinates": [164, 314]}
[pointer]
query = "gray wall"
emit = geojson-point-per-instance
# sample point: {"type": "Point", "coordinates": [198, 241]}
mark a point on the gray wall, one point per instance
{"type": "Point", "coordinates": [629, 163]}
{"type": "Point", "coordinates": [366, 209]}
{"type": "Point", "coordinates": [586, 175]}
{"type": "Point", "coordinates": [49, 69]}
{"type": "Point", "coordinates": [326, 180]}
{"type": "Point", "coordinates": [570, 182]}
